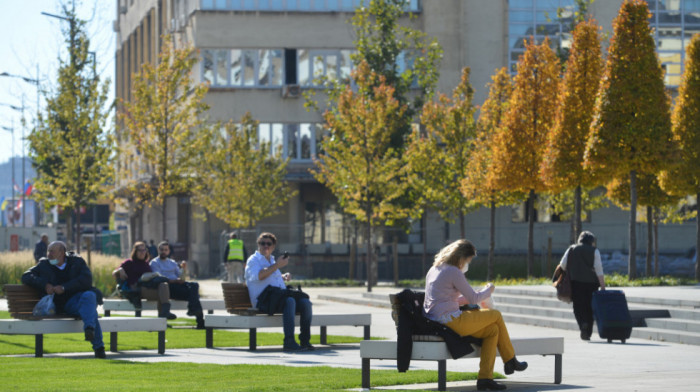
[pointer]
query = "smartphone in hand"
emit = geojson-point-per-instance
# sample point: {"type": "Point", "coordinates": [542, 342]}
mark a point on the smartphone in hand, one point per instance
{"type": "Point", "coordinates": [285, 255]}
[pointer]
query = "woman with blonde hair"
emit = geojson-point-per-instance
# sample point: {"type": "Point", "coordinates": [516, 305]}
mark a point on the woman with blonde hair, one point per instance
{"type": "Point", "coordinates": [446, 289]}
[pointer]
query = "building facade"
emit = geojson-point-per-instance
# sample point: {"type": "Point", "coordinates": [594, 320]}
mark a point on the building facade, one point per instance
{"type": "Point", "coordinates": [259, 56]}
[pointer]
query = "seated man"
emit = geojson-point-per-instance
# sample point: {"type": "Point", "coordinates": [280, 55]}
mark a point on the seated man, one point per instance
{"type": "Point", "coordinates": [68, 277]}
{"type": "Point", "coordinates": [261, 272]}
{"type": "Point", "coordinates": [179, 289]}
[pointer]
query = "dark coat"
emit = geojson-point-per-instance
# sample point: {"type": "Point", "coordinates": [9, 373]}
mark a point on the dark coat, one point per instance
{"type": "Point", "coordinates": [75, 278]}
{"type": "Point", "coordinates": [413, 322]}
{"type": "Point", "coordinates": [40, 250]}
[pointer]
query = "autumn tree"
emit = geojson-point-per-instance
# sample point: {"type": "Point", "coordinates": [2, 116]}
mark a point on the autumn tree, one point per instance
{"type": "Point", "coordinates": [451, 128]}
{"type": "Point", "coordinates": [684, 177]}
{"type": "Point", "coordinates": [357, 162]}
{"type": "Point", "coordinates": [160, 124]}
{"type": "Point", "coordinates": [232, 175]}
{"type": "Point", "coordinates": [70, 147]}
{"type": "Point", "coordinates": [631, 131]}
{"type": "Point", "coordinates": [478, 184]}
{"type": "Point", "coordinates": [519, 144]}
{"type": "Point", "coordinates": [562, 164]}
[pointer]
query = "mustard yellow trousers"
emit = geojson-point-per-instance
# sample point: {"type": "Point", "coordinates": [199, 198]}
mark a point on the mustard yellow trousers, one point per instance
{"type": "Point", "coordinates": [486, 324]}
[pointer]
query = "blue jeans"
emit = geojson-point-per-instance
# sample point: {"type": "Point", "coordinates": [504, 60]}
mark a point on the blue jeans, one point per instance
{"type": "Point", "coordinates": [84, 305]}
{"type": "Point", "coordinates": [291, 307]}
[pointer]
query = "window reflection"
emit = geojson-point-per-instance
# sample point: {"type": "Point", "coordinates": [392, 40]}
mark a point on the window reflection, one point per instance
{"type": "Point", "coordinates": [292, 141]}
{"type": "Point", "coordinates": [303, 56]}
{"type": "Point", "coordinates": [236, 67]}
{"type": "Point", "coordinates": [221, 76]}
{"type": "Point", "coordinates": [305, 131]}
{"type": "Point", "coordinates": [208, 67]}
{"type": "Point", "coordinates": [248, 68]}
{"type": "Point", "coordinates": [277, 146]}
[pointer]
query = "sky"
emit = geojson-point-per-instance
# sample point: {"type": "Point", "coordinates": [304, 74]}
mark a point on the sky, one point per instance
{"type": "Point", "coordinates": [31, 40]}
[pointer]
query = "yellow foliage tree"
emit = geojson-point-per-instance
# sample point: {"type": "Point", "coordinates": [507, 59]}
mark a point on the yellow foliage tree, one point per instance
{"type": "Point", "coordinates": [631, 131]}
{"type": "Point", "coordinates": [519, 145]}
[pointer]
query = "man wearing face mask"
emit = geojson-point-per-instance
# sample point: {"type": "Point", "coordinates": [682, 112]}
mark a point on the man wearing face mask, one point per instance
{"type": "Point", "coordinates": [67, 276]}
{"type": "Point", "coordinates": [179, 289]}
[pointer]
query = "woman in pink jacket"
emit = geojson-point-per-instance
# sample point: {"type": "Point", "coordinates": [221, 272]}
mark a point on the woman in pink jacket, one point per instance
{"type": "Point", "coordinates": [446, 289]}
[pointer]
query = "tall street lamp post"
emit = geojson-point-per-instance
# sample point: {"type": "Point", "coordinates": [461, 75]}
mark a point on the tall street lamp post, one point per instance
{"type": "Point", "coordinates": [12, 131]}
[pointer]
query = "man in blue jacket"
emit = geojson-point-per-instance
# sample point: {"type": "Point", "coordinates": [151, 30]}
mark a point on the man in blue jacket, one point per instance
{"type": "Point", "coordinates": [68, 277]}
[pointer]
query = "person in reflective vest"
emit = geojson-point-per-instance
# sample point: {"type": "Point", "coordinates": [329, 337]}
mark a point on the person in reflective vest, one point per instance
{"type": "Point", "coordinates": [235, 256]}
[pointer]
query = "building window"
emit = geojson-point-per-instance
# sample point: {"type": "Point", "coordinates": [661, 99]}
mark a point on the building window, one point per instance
{"type": "Point", "coordinates": [295, 5]}
{"type": "Point", "coordinates": [538, 19]}
{"type": "Point", "coordinates": [243, 67]}
{"type": "Point", "coordinates": [298, 142]}
{"type": "Point", "coordinates": [674, 23]}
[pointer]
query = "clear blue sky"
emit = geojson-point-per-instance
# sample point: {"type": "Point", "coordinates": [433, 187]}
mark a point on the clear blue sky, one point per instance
{"type": "Point", "coordinates": [30, 39]}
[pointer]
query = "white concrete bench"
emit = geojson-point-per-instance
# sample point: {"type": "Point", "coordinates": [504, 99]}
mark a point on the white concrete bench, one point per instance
{"type": "Point", "coordinates": [437, 351]}
{"type": "Point", "coordinates": [39, 328]}
{"type": "Point", "coordinates": [254, 321]}
{"type": "Point", "coordinates": [116, 305]}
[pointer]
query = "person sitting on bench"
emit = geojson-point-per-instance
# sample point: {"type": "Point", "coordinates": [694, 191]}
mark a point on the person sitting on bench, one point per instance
{"type": "Point", "coordinates": [446, 289]}
{"type": "Point", "coordinates": [69, 279]}
{"type": "Point", "coordinates": [262, 273]}
{"type": "Point", "coordinates": [179, 288]}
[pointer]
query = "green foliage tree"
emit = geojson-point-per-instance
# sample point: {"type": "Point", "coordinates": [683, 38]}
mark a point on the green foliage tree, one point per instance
{"type": "Point", "coordinates": [562, 164]}
{"type": "Point", "coordinates": [404, 56]}
{"type": "Point", "coordinates": [519, 145]}
{"type": "Point", "coordinates": [684, 177]}
{"type": "Point", "coordinates": [159, 141]}
{"type": "Point", "coordinates": [478, 184]}
{"type": "Point", "coordinates": [240, 181]}
{"type": "Point", "coordinates": [450, 131]}
{"type": "Point", "coordinates": [357, 162]}
{"type": "Point", "coordinates": [631, 131]}
{"type": "Point", "coordinates": [70, 147]}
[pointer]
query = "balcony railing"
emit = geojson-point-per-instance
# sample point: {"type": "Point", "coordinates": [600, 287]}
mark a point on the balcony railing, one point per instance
{"type": "Point", "coordinates": [293, 5]}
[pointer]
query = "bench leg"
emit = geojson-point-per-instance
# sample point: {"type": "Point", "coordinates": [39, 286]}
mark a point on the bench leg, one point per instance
{"type": "Point", "coordinates": [210, 311]}
{"type": "Point", "coordinates": [138, 313]}
{"type": "Point", "coordinates": [365, 373]}
{"type": "Point", "coordinates": [39, 346]}
{"type": "Point", "coordinates": [324, 337]}
{"type": "Point", "coordinates": [209, 337]}
{"type": "Point", "coordinates": [253, 339]}
{"type": "Point", "coordinates": [367, 337]}
{"type": "Point", "coordinates": [557, 368]}
{"type": "Point", "coordinates": [161, 342]}
{"type": "Point", "coordinates": [113, 342]}
{"type": "Point", "coordinates": [108, 313]}
{"type": "Point", "coordinates": [442, 375]}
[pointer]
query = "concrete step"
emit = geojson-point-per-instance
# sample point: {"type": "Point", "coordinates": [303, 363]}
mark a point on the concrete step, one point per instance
{"type": "Point", "coordinates": [356, 300]}
{"type": "Point", "coordinates": [665, 335]}
{"type": "Point", "coordinates": [673, 324]}
{"type": "Point", "coordinates": [687, 314]}
{"type": "Point", "coordinates": [539, 311]}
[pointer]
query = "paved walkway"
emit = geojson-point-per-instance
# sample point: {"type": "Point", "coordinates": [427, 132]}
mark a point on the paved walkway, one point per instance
{"type": "Point", "coordinates": [638, 365]}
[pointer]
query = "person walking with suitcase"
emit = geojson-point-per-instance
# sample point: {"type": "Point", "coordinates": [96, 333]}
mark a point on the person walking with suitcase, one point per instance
{"type": "Point", "coordinates": [583, 264]}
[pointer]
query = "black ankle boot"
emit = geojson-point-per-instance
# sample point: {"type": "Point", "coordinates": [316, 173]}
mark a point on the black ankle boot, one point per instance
{"type": "Point", "coordinates": [487, 384]}
{"type": "Point", "coordinates": [513, 365]}
{"type": "Point", "coordinates": [165, 312]}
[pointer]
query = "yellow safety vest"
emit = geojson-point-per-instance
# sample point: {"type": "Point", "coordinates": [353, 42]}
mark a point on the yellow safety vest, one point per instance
{"type": "Point", "coordinates": [235, 250]}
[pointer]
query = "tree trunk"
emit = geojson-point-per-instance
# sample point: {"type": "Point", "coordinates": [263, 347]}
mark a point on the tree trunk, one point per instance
{"type": "Point", "coordinates": [632, 261]}
{"type": "Point", "coordinates": [656, 241]}
{"type": "Point", "coordinates": [77, 230]}
{"type": "Point", "coordinates": [163, 217]}
{"type": "Point", "coordinates": [650, 241]}
{"type": "Point", "coordinates": [424, 238]}
{"type": "Point", "coordinates": [578, 227]}
{"type": "Point", "coordinates": [492, 242]}
{"type": "Point", "coordinates": [530, 232]}
{"type": "Point", "coordinates": [370, 269]}
{"type": "Point", "coordinates": [697, 242]}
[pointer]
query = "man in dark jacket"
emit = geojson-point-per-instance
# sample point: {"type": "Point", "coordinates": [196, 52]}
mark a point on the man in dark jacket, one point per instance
{"type": "Point", "coordinates": [41, 247]}
{"type": "Point", "coordinates": [68, 277]}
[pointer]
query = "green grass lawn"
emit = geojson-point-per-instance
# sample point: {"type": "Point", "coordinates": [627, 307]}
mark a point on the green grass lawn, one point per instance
{"type": "Point", "coordinates": [63, 374]}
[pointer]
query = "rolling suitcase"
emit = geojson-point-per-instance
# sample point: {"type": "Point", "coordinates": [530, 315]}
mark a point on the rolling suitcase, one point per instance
{"type": "Point", "coordinates": [612, 315]}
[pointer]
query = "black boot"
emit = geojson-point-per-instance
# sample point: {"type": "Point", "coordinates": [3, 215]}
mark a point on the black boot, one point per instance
{"type": "Point", "coordinates": [513, 365]}
{"type": "Point", "coordinates": [165, 312]}
{"type": "Point", "coordinates": [487, 384]}
{"type": "Point", "coordinates": [200, 321]}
